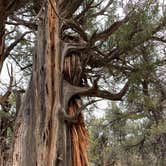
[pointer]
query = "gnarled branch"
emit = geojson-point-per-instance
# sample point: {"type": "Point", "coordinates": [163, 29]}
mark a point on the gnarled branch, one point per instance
{"type": "Point", "coordinates": [73, 118]}
{"type": "Point", "coordinates": [107, 32]}
{"type": "Point", "coordinates": [12, 45]}
{"type": "Point", "coordinates": [71, 90]}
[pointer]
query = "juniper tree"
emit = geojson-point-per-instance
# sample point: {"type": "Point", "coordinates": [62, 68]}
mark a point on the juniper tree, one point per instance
{"type": "Point", "coordinates": [78, 45]}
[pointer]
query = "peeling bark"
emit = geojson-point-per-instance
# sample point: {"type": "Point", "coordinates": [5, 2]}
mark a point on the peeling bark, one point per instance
{"type": "Point", "coordinates": [41, 136]}
{"type": "Point", "coordinates": [37, 124]}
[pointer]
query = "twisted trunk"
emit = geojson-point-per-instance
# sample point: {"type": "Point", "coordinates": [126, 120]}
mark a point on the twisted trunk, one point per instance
{"type": "Point", "coordinates": [40, 132]}
{"type": "Point", "coordinates": [42, 137]}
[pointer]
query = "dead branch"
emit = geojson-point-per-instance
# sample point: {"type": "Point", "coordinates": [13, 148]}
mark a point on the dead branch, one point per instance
{"type": "Point", "coordinates": [12, 45]}
{"type": "Point", "coordinates": [11, 6]}
{"type": "Point", "coordinates": [67, 8]}
{"type": "Point", "coordinates": [87, 7]}
{"type": "Point", "coordinates": [73, 118]}
{"type": "Point", "coordinates": [21, 67]}
{"type": "Point", "coordinates": [71, 90]}
{"type": "Point", "coordinates": [106, 94]}
{"type": "Point", "coordinates": [107, 32]}
{"type": "Point", "coordinates": [160, 39]}
{"type": "Point", "coordinates": [17, 21]}
{"type": "Point", "coordinates": [73, 24]}
{"type": "Point", "coordinates": [103, 9]}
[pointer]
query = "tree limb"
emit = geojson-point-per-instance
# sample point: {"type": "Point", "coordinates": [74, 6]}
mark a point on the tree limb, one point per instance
{"type": "Point", "coordinates": [71, 90]}
{"type": "Point", "coordinates": [12, 45]}
{"type": "Point", "coordinates": [19, 21]}
{"type": "Point", "coordinates": [73, 118]}
{"type": "Point", "coordinates": [106, 94]}
{"type": "Point", "coordinates": [161, 39]}
{"type": "Point", "coordinates": [67, 8]}
{"type": "Point", "coordinates": [107, 32]}
{"type": "Point", "coordinates": [75, 26]}
{"type": "Point", "coordinates": [102, 10]}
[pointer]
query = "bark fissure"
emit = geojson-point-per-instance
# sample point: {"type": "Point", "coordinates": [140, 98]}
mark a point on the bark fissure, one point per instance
{"type": "Point", "coordinates": [78, 135]}
{"type": "Point", "coordinates": [39, 118]}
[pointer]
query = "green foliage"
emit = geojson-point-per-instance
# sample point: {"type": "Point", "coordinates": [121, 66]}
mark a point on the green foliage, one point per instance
{"type": "Point", "coordinates": [157, 130]}
{"type": "Point", "coordinates": [4, 114]}
{"type": "Point", "coordinates": [127, 137]}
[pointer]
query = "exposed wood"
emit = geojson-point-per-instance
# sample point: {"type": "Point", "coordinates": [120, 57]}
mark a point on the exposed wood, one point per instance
{"type": "Point", "coordinates": [36, 130]}
{"type": "Point", "coordinates": [71, 90]}
{"type": "Point", "coordinates": [72, 72]}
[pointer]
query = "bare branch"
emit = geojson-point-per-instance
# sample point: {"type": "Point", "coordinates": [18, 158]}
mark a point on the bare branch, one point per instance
{"type": "Point", "coordinates": [19, 21]}
{"type": "Point", "coordinates": [107, 32]}
{"type": "Point", "coordinates": [21, 67]}
{"type": "Point", "coordinates": [161, 39]}
{"type": "Point", "coordinates": [102, 10]}
{"type": "Point", "coordinates": [71, 90]}
{"type": "Point", "coordinates": [106, 94]}
{"type": "Point", "coordinates": [75, 26]}
{"type": "Point", "coordinates": [74, 118]}
{"type": "Point", "coordinates": [87, 7]}
{"type": "Point", "coordinates": [11, 5]}
{"type": "Point", "coordinates": [9, 49]}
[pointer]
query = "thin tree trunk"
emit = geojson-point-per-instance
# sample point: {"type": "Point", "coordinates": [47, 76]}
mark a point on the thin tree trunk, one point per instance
{"type": "Point", "coordinates": [2, 58]}
{"type": "Point", "coordinates": [2, 40]}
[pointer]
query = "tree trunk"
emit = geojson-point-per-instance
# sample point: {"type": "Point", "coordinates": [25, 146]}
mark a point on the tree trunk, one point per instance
{"type": "Point", "coordinates": [2, 37]}
{"type": "Point", "coordinates": [2, 58]}
{"type": "Point", "coordinates": [40, 131]}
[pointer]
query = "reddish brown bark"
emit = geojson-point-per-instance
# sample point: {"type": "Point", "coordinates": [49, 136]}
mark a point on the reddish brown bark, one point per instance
{"type": "Point", "coordinates": [79, 136]}
{"type": "Point", "coordinates": [36, 128]}
{"type": "Point", "coordinates": [41, 135]}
